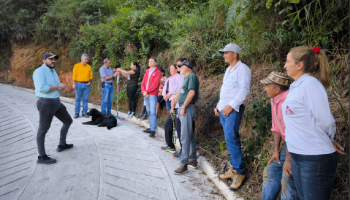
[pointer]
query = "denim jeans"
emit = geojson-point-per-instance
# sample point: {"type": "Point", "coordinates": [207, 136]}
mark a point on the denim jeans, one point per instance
{"type": "Point", "coordinates": [81, 90]}
{"type": "Point", "coordinates": [313, 175]}
{"type": "Point", "coordinates": [151, 105]}
{"type": "Point", "coordinates": [47, 109]}
{"type": "Point", "coordinates": [107, 98]}
{"type": "Point", "coordinates": [230, 124]}
{"type": "Point", "coordinates": [168, 105]}
{"type": "Point", "coordinates": [188, 138]}
{"type": "Point", "coordinates": [274, 178]}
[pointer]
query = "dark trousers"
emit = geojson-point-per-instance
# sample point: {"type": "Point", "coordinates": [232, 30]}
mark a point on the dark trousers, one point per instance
{"type": "Point", "coordinates": [131, 92]}
{"type": "Point", "coordinates": [313, 175]}
{"type": "Point", "coordinates": [168, 130]}
{"type": "Point", "coordinates": [47, 109]}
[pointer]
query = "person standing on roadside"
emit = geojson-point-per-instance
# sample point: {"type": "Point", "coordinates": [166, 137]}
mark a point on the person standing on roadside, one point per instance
{"type": "Point", "coordinates": [107, 77]}
{"type": "Point", "coordinates": [277, 88]}
{"type": "Point", "coordinates": [132, 85]}
{"type": "Point", "coordinates": [310, 126]}
{"type": "Point", "coordinates": [230, 108]}
{"type": "Point", "coordinates": [187, 112]}
{"type": "Point", "coordinates": [48, 90]}
{"type": "Point", "coordinates": [169, 92]}
{"type": "Point", "coordinates": [174, 107]}
{"type": "Point", "coordinates": [82, 78]}
{"type": "Point", "coordinates": [149, 89]}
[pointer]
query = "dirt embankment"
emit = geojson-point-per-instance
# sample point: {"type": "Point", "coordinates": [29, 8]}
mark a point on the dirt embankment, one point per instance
{"type": "Point", "coordinates": [27, 57]}
{"type": "Point", "coordinates": [209, 134]}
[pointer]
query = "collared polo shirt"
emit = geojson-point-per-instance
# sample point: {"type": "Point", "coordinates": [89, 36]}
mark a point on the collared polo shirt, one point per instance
{"type": "Point", "coordinates": [235, 87]}
{"type": "Point", "coordinates": [310, 126]}
{"type": "Point", "coordinates": [277, 116]}
{"type": "Point", "coordinates": [44, 78]}
{"type": "Point", "coordinates": [104, 71]}
{"type": "Point", "coordinates": [82, 73]}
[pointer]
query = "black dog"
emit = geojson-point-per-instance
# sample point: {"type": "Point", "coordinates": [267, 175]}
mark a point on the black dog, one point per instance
{"type": "Point", "coordinates": [96, 117]}
{"type": "Point", "coordinates": [101, 120]}
{"type": "Point", "coordinates": [110, 121]}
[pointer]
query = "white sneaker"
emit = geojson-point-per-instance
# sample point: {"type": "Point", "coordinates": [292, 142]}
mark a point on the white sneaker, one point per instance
{"type": "Point", "coordinates": [132, 114]}
{"type": "Point", "coordinates": [129, 113]}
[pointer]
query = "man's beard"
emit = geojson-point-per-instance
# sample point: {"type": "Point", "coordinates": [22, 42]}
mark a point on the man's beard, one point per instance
{"type": "Point", "coordinates": [54, 65]}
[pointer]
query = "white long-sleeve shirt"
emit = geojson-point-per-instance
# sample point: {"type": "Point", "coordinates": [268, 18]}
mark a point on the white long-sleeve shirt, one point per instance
{"type": "Point", "coordinates": [310, 126]}
{"type": "Point", "coordinates": [235, 87]}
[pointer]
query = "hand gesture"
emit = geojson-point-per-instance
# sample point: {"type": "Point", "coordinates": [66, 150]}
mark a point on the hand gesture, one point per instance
{"type": "Point", "coordinates": [216, 112]}
{"type": "Point", "coordinates": [338, 148]}
{"type": "Point", "coordinates": [275, 156]}
{"type": "Point", "coordinates": [287, 168]}
{"type": "Point", "coordinates": [227, 110]}
{"type": "Point", "coordinates": [182, 112]}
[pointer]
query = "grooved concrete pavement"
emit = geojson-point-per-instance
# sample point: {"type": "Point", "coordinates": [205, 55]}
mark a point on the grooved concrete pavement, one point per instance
{"type": "Point", "coordinates": [123, 163]}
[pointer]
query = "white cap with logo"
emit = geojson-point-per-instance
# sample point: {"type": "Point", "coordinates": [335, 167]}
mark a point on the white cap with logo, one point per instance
{"type": "Point", "coordinates": [231, 47]}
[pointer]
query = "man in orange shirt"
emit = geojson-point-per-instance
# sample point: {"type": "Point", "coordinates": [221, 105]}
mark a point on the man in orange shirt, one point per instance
{"type": "Point", "coordinates": [82, 77]}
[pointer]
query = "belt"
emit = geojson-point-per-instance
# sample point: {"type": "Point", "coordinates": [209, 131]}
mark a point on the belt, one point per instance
{"type": "Point", "coordinates": [57, 99]}
{"type": "Point", "coordinates": [82, 82]}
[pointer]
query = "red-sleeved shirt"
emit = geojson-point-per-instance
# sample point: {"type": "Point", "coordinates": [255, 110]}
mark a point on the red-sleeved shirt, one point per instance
{"type": "Point", "coordinates": [153, 85]}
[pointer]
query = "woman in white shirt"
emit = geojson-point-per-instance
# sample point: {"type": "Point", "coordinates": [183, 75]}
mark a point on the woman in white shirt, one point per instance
{"type": "Point", "coordinates": [310, 126]}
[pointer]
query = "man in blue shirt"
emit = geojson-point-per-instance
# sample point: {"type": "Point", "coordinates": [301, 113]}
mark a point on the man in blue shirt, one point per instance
{"type": "Point", "coordinates": [107, 78]}
{"type": "Point", "coordinates": [48, 90]}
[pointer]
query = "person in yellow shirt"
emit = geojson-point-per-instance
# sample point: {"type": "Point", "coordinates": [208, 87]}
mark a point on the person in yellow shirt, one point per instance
{"type": "Point", "coordinates": [82, 77]}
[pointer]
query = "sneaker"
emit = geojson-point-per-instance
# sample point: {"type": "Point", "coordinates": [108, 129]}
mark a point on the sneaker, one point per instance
{"type": "Point", "coordinates": [152, 133]}
{"type": "Point", "coordinates": [177, 155]}
{"type": "Point", "coordinates": [237, 181]}
{"type": "Point", "coordinates": [85, 115]}
{"type": "Point", "coordinates": [193, 164]}
{"type": "Point", "coordinates": [167, 149]}
{"type": "Point", "coordinates": [144, 117]}
{"type": "Point", "coordinates": [181, 170]}
{"type": "Point", "coordinates": [76, 115]}
{"type": "Point", "coordinates": [147, 130]}
{"type": "Point", "coordinates": [64, 147]}
{"type": "Point", "coordinates": [132, 114]}
{"type": "Point", "coordinates": [129, 113]}
{"type": "Point", "coordinates": [45, 159]}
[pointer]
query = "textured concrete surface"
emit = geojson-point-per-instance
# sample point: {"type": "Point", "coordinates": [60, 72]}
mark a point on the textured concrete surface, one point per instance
{"type": "Point", "coordinates": [123, 163]}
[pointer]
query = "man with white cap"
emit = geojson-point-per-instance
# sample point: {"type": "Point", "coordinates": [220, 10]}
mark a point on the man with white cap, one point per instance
{"type": "Point", "coordinates": [234, 91]}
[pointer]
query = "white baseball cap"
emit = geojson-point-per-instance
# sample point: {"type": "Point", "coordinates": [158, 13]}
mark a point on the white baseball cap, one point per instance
{"type": "Point", "coordinates": [231, 47]}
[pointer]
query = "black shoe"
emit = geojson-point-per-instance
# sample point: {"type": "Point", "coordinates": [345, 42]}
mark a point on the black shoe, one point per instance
{"type": "Point", "coordinates": [181, 170]}
{"type": "Point", "coordinates": [62, 148]}
{"type": "Point", "coordinates": [193, 164]}
{"type": "Point", "coordinates": [147, 130]}
{"type": "Point", "coordinates": [152, 133]}
{"type": "Point", "coordinates": [76, 115]}
{"type": "Point", "coordinates": [144, 117]}
{"type": "Point", "coordinates": [85, 115]}
{"type": "Point", "coordinates": [45, 160]}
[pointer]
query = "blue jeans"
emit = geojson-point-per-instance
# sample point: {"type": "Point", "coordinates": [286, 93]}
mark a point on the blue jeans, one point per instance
{"type": "Point", "coordinates": [230, 124]}
{"type": "Point", "coordinates": [313, 175]}
{"type": "Point", "coordinates": [81, 90]}
{"type": "Point", "coordinates": [107, 98]}
{"type": "Point", "coordinates": [274, 177]}
{"type": "Point", "coordinates": [151, 105]}
{"type": "Point", "coordinates": [168, 105]}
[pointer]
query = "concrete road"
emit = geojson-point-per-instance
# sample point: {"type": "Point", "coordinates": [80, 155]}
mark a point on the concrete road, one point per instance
{"type": "Point", "coordinates": [122, 163]}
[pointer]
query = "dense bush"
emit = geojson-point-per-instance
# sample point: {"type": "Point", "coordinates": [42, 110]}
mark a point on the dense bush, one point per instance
{"type": "Point", "coordinates": [17, 18]}
{"type": "Point", "coordinates": [64, 17]}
